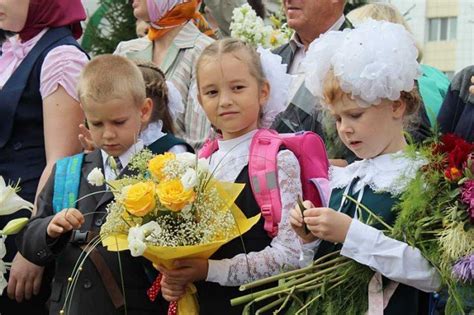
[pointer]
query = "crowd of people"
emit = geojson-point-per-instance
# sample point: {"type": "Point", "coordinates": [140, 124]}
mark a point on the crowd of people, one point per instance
{"type": "Point", "coordinates": [185, 82]}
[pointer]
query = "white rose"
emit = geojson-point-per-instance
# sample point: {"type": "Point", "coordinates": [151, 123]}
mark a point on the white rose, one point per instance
{"type": "Point", "coordinates": [95, 177]}
{"type": "Point", "coordinates": [188, 159]}
{"type": "Point", "coordinates": [10, 202]}
{"type": "Point", "coordinates": [137, 247]}
{"type": "Point", "coordinates": [136, 242]}
{"type": "Point", "coordinates": [151, 227]}
{"type": "Point", "coordinates": [189, 179]}
{"type": "Point", "coordinates": [203, 165]}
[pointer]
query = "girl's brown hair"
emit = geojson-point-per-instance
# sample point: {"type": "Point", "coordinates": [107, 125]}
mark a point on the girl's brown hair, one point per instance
{"type": "Point", "coordinates": [157, 90]}
{"type": "Point", "coordinates": [232, 45]}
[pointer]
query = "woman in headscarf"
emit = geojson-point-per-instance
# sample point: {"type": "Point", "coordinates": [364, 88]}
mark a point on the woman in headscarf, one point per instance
{"type": "Point", "coordinates": [39, 117]}
{"type": "Point", "coordinates": [174, 43]}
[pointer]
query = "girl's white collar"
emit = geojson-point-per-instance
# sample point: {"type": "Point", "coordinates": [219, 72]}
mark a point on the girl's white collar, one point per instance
{"type": "Point", "coordinates": [385, 173]}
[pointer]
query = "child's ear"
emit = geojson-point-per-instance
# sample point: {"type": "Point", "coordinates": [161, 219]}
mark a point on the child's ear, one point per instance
{"type": "Point", "coordinates": [146, 110]}
{"type": "Point", "coordinates": [398, 109]}
{"type": "Point", "coordinates": [264, 93]}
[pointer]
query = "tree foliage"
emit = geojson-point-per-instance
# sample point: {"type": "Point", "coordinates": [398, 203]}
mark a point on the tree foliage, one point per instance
{"type": "Point", "coordinates": [110, 24]}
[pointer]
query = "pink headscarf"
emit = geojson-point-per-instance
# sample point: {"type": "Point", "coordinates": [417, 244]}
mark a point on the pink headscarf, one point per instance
{"type": "Point", "coordinates": [158, 8]}
{"type": "Point", "coordinates": [53, 13]}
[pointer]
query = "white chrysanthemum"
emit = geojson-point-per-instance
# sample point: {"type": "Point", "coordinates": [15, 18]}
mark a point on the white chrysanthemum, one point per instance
{"type": "Point", "coordinates": [189, 179]}
{"type": "Point", "coordinates": [10, 202]}
{"type": "Point", "coordinates": [95, 177]}
{"type": "Point", "coordinates": [374, 61]}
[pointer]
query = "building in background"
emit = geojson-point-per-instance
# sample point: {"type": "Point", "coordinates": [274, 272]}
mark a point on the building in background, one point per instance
{"type": "Point", "coordinates": [444, 30]}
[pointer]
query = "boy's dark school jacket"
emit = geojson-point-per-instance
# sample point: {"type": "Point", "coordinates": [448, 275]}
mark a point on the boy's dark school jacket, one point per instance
{"type": "Point", "coordinates": [98, 289]}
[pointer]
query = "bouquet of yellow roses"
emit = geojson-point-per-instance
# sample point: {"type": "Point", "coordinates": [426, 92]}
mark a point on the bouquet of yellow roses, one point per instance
{"type": "Point", "coordinates": [172, 208]}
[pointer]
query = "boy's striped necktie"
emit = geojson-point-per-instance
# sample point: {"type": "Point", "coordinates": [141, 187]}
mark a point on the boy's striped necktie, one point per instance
{"type": "Point", "coordinates": [115, 164]}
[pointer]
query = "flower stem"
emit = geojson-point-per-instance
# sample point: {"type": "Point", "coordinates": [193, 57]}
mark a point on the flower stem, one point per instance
{"type": "Point", "coordinates": [376, 217]}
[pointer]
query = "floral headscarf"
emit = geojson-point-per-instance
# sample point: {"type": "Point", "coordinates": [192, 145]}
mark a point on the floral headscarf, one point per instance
{"type": "Point", "coordinates": [166, 15]}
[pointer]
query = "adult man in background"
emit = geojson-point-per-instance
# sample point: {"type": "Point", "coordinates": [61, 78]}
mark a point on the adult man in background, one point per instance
{"type": "Point", "coordinates": [309, 19]}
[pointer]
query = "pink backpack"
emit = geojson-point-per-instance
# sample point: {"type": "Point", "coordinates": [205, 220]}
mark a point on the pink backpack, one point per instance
{"type": "Point", "coordinates": [311, 154]}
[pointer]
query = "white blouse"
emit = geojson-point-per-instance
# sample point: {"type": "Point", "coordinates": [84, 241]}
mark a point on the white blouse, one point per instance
{"type": "Point", "coordinates": [284, 249]}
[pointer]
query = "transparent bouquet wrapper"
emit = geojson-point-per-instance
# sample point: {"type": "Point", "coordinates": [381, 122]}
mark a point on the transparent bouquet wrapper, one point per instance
{"type": "Point", "coordinates": [164, 255]}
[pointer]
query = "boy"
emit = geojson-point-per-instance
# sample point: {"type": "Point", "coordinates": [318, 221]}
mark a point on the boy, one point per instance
{"type": "Point", "coordinates": [112, 94]}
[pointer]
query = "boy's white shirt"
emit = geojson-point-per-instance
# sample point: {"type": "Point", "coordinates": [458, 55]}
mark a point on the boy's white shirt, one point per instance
{"type": "Point", "coordinates": [124, 159]}
{"type": "Point", "coordinates": [284, 249]}
{"type": "Point", "coordinates": [394, 259]}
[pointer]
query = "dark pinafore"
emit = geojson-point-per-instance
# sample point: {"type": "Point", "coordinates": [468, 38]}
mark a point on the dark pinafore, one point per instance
{"type": "Point", "coordinates": [213, 298]}
{"type": "Point", "coordinates": [405, 300]}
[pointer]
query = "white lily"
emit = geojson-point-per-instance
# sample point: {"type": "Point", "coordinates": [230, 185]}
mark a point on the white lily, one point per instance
{"type": "Point", "coordinates": [10, 202]}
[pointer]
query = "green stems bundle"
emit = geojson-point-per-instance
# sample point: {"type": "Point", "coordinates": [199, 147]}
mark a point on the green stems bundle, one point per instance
{"type": "Point", "coordinates": [329, 275]}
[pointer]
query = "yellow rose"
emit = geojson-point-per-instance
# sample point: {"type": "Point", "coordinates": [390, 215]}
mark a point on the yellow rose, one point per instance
{"type": "Point", "coordinates": [156, 164]}
{"type": "Point", "coordinates": [140, 199]}
{"type": "Point", "coordinates": [173, 196]}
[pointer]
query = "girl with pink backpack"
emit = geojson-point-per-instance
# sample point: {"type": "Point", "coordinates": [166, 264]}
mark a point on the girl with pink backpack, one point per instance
{"type": "Point", "coordinates": [235, 94]}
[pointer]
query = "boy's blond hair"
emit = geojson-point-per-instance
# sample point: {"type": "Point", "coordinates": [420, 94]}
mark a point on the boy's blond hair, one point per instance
{"type": "Point", "coordinates": [109, 77]}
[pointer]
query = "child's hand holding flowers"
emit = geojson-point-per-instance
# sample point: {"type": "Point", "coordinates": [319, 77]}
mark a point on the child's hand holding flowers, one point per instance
{"type": "Point", "coordinates": [176, 215]}
{"type": "Point", "coordinates": [297, 222]}
{"type": "Point", "coordinates": [65, 221]}
{"type": "Point", "coordinates": [327, 224]}
{"type": "Point", "coordinates": [175, 281]}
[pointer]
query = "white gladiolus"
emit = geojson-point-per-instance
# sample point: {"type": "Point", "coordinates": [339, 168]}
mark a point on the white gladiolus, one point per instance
{"type": "Point", "coordinates": [189, 179]}
{"type": "Point", "coordinates": [10, 202]}
{"type": "Point", "coordinates": [95, 177]}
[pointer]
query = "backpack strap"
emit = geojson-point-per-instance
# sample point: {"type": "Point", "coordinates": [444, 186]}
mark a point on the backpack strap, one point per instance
{"type": "Point", "coordinates": [66, 182]}
{"type": "Point", "coordinates": [166, 142]}
{"type": "Point", "coordinates": [209, 147]}
{"type": "Point", "coordinates": [263, 174]}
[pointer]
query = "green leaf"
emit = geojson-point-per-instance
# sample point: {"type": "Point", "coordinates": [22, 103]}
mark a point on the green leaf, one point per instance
{"type": "Point", "coordinates": [14, 226]}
